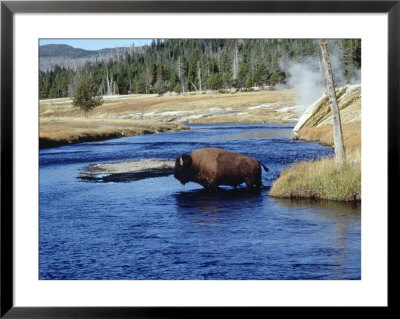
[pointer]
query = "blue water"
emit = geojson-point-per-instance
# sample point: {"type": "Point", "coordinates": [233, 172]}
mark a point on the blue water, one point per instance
{"type": "Point", "coordinates": [156, 228]}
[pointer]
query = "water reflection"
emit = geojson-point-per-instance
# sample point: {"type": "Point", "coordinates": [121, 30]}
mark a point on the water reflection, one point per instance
{"type": "Point", "coordinates": [343, 220]}
{"type": "Point", "coordinates": [222, 201]}
{"type": "Point", "coordinates": [324, 204]}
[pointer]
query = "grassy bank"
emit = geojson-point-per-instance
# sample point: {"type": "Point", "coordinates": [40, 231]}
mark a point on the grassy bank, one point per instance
{"type": "Point", "coordinates": [320, 179]}
{"type": "Point", "coordinates": [71, 130]}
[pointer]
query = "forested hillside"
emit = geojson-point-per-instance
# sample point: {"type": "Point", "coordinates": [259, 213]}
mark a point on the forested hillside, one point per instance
{"type": "Point", "coordinates": [181, 66]}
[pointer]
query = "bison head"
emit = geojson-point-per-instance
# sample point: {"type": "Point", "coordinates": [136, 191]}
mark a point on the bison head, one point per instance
{"type": "Point", "coordinates": [183, 168]}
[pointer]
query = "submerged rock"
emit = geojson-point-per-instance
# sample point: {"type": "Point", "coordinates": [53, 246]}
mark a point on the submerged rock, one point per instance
{"type": "Point", "coordinates": [127, 171]}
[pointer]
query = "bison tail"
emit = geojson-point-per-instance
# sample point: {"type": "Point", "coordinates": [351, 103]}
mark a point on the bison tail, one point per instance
{"type": "Point", "coordinates": [265, 167]}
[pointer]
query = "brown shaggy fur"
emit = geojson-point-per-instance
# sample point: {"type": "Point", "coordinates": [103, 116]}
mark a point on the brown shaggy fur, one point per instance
{"type": "Point", "coordinates": [211, 167]}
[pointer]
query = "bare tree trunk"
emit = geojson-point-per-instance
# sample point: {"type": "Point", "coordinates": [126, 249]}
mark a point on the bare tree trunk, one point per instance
{"type": "Point", "coordinates": [180, 75]}
{"type": "Point", "coordinates": [199, 75]}
{"type": "Point", "coordinates": [109, 90]}
{"type": "Point", "coordinates": [195, 87]}
{"type": "Point", "coordinates": [340, 156]}
{"type": "Point", "coordinates": [235, 62]}
{"type": "Point", "coordinates": [319, 61]}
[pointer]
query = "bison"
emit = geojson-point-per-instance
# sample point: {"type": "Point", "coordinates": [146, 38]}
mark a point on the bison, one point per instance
{"type": "Point", "coordinates": [211, 167]}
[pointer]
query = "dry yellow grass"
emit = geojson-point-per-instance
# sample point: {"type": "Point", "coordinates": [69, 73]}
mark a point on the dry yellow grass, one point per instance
{"type": "Point", "coordinates": [321, 180]}
{"type": "Point", "coordinates": [62, 131]}
{"type": "Point", "coordinates": [324, 134]}
{"type": "Point", "coordinates": [256, 116]}
{"type": "Point", "coordinates": [128, 104]}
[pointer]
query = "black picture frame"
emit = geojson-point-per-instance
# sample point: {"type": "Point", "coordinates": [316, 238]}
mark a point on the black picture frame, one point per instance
{"type": "Point", "coordinates": [9, 8]}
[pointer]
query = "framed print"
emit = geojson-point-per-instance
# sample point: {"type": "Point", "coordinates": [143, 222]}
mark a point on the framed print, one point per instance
{"type": "Point", "coordinates": [166, 157]}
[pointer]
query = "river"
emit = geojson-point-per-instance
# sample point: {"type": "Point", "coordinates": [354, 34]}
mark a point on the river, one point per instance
{"type": "Point", "coordinates": [158, 229]}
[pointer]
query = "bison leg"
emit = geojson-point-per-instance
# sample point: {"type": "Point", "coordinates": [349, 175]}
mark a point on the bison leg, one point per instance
{"type": "Point", "coordinates": [249, 184]}
{"type": "Point", "coordinates": [259, 184]}
{"type": "Point", "coordinates": [254, 181]}
{"type": "Point", "coordinates": [210, 187]}
{"type": "Point", "coordinates": [258, 181]}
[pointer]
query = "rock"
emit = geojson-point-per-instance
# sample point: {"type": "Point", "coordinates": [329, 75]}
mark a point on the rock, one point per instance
{"type": "Point", "coordinates": [127, 171]}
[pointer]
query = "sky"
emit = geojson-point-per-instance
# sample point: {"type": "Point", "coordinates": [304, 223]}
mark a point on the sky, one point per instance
{"type": "Point", "coordinates": [96, 44]}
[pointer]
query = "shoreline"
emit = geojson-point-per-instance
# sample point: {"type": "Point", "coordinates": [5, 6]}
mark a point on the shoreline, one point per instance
{"type": "Point", "coordinates": [45, 142]}
{"type": "Point", "coordinates": [101, 130]}
{"type": "Point", "coordinates": [319, 179]}
{"type": "Point", "coordinates": [98, 136]}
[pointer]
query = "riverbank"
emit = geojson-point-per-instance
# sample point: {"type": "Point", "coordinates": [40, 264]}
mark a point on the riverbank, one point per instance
{"type": "Point", "coordinates": [69, 130]}
{"type": "Point", "coordinates": [127, 115]}
{"type": "Point", "coordinates": [320, 179]}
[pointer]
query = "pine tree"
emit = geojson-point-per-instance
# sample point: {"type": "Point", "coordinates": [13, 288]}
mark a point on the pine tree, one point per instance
{"type": "Point", "coordinates": [275, 78]}
{"type": "Point", "coordinates": [214, 82]}
{"type": "Point", "coordinates": [86, 95]}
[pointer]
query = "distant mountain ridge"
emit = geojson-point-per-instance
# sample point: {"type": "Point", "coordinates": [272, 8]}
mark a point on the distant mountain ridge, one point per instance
{"type": "Point", "coordinates": [67, 51]}
{"type": "Point", "coordinates": [66, 56]}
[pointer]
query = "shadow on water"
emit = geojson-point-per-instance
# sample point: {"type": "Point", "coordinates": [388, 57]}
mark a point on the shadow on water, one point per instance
{"type": "Point", "coordinates": [325, 206]}
{"type": "Point", "coordinates": [222, 201]}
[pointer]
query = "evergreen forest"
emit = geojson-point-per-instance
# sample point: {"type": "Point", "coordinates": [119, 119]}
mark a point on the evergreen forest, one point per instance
{"type": "Point", "coordinates": [197, 65]}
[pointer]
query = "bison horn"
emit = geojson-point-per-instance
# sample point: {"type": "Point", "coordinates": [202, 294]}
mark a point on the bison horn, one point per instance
{"type": "Point", "coordinates": [181, 161]}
